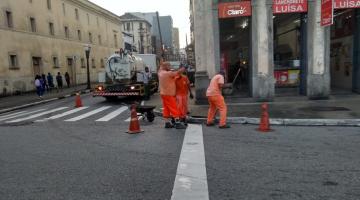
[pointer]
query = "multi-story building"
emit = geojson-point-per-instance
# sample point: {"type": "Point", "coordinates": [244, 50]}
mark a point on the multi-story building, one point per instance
{"type": "Point", "coordinates": [48, 36]}
{"type": "Point", "coordinates": [140, 31]}
{"type": "Point", "coordinates": [271, 48]}
{"type": "Point", "coordinates": [176, 41]}
{"type": "Point", "coordinates": [166, 27]}
{"type": "Point", "coordinates": [151, 18]}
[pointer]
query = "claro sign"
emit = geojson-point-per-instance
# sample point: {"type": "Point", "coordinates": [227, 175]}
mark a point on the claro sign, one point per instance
{"type": "Point", "coordinates": [289, 6]}
{"type": "Point", "coordinates": [234, 9]}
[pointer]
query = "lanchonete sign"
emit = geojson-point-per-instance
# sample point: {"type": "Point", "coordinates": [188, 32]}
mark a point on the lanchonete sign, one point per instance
{"type": "Point", "coordinates": [289, 6]}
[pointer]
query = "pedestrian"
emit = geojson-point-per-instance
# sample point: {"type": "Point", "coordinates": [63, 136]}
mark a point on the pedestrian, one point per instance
{"type": "Point", "coordinates": [59, 81]}
{"type": "Point", "coordinates": [38, 86]}
{"type": "Point", "coordinates": [42, 82]}
{"type": "Point", "coordinates": [45, 83]}
{"type": "Point", "coordinates": [216, 101]}
{"type": "Point", "coordinates": [183, 89]}
{"type": "Point", "coordinates": [67, 79]}
{"type": "Point", "coordinates": [167, 92]}
{"type": "Point", "coordinates": [147, 78]}
{"type": "Point", "coordinates": [50, 81]}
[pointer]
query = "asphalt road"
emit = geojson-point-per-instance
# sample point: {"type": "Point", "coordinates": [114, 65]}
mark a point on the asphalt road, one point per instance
{"type": "Point", "coordinates": [77, 157]}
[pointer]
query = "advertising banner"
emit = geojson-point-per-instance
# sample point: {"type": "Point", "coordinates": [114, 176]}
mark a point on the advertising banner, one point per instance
{"type": "Point", "coordinates": [343, 4]}
{"type": "Point", "coordinates": [289, 6]}
{"type": "Point", "coordinates": [234, 9]}
{"type": "Point", "coordinates": [327, 12]}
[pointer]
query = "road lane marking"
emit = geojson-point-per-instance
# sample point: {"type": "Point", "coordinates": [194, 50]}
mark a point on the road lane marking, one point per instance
{"type": "Point", "coordinates": [22, 114]}
{"type": "Point", "coordinates": [88, 114]}
{"type": "Point", "coordinates": [62, 114]}
{"type": "Point", "coordinates": [112, 114]}
{"type": "Point", "coordinates": [37, 115]}
{"type": "Point", "coordinates": [12, 114]}
{"type": "Point", "coordinates": [191, 180]}
{"type": "Point", "coordinates": [139, 118]}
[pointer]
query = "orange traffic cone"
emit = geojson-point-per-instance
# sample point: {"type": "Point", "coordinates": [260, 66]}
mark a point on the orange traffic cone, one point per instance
{"type": "Point", "coordinates": [134, 126]}
{"type": "Point", "coordinates": [78, 102]}
{"type": "Point", "coordinates": [264, 125]}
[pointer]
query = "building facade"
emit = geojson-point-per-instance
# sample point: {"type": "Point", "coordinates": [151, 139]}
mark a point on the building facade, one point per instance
{"type": "Point", "coordinates": [48, 36]}
{"type": "Point", "coordinates": [176, 41]}
{"type": "Point", "coordinates": [166, 27]}
{"type": "Point", "coordinates": [140, 31]}
{"type": "Point", "coordinates": [271, 48]}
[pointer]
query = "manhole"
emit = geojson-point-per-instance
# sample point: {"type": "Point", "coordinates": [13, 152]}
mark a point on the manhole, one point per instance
{"type": "Point", "coordinates": [325, 108]}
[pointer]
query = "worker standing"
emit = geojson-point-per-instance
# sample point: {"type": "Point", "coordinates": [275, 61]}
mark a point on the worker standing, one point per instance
{"type": "Point", "coordinates": [167, 92]}
{"type": "Point", "coordinates": [216, 100]}
{"type": "Point", "coordinates": [182, 91]}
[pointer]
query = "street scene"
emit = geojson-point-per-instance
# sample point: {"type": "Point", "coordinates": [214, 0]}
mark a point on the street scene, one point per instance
{"type": "Point", "coordinates": [179, 100]}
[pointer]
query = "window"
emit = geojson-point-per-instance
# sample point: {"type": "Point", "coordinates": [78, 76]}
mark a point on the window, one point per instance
{"type": "Point", "coordinates": [99, 37]}
{"type": "Point", "coordinates": [30, 1]}
{"type": "Point", "coordinates": [102, 65]}
{"type": "Point", "coordinates": [76, 14]}
{"type": "Point", "coordinates": [141, 26]}
{"type": "Point", "coordinates": [90, 38]}
{"type": "Point", "coordinates": [115, 41]}
{"type": "Point", "coordinates": [82, 60]}
{"type": "Point", "coordinates": [13, 61]}
{"type": "Point", "coordinates": [79, 34]}
{"type": "Point", "coordinates": [66, 32]}
{"type": "Point", "coordinates": [55, 62]}
{"type": "Point", "coordinates": [33, 24]}
{"type": "Point", "coordinates": [64, 9]}
{"type": "Point", "coordinates": [49, 4]}
{"type": "Point", "coordinates": [128, 26]}
{"type": "Point", "coordinates": [51, 28]}
{"type": "Point", "coordinates": [93, 63]}
{"type": "Point", "coordinates": [9, 19]}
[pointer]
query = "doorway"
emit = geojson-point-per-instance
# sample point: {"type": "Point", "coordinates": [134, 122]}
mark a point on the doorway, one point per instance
{"type": "Point", "coordinates": [71, 70]}
{"type": "Point", "coordinates": [37, 68]}
{"type": "Point", "coordinates": [235, 53]}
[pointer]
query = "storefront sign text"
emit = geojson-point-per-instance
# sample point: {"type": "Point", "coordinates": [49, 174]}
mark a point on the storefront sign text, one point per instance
{"type": "Point", "coordinates": [289, 6]}
{"type": "Point", "coordinates": [327, 12]}
{"type": "Point", "coordinates": [234, 9]}
{"type": "Point", "coordinates": [343, 4]}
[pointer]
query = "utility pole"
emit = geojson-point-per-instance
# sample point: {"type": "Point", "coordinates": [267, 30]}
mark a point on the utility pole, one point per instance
{"type": "Point", "coordinates": [161, 42]}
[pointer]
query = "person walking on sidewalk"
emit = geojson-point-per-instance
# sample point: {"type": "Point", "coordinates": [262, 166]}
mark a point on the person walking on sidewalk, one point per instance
{"type": "Point", "coordinates": [39, 90]}
{"type": "Point", "coordinates": [216, 101]}
{"type": "Point", "coordinates": [45, 84]}
{"type": "Point", "coordinates": [147, 77]}
{"type": "Point", "coordinates": [182, 91]}
{"type": "Point", "coordinates": [50, 81]}
{"type": "Point", "coordinates": [67, 79]}
{"type": "Point", "coordinates": [59, 81]}
{"type": "Point", "coordinates": [167, 92]}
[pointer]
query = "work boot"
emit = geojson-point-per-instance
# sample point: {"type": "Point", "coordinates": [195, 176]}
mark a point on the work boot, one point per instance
{"type": "Point", "coordinates": [184, 121]}
{"type": "Point", "coordinates": [210, 124]}
{"type": "Point", "coordinates": [179, 125]}
{"type": "Point", "coordinates": [169, 125]}
{"type": "Point", "coordinates": [225, 126]}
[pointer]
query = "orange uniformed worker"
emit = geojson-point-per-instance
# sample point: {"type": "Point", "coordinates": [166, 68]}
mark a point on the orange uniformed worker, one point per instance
{"type": "Point", "coordinates": [167, 92]}
{"type": "Point", "coordinates": [216, 101]}
{"type": "Point", "coordinates": [182, 91]}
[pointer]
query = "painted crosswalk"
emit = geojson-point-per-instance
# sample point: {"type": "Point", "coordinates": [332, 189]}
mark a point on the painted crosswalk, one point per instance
{"type": "Point", "coordinates": [68, 114]}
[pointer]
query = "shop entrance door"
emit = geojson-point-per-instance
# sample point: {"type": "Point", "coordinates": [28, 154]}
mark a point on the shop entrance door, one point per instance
{"type": "Point", "coordinates": [71, 70]}
{"type": "Point", "coordinates": [235, 53]}
{"type": "Point", "coordinates": [36, 62]}
{"type": "Point", "coordinates": [345, 47]}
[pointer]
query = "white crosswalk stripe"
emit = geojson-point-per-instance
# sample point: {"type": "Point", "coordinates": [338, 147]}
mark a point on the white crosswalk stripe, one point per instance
{"type": "Point", "coordinates": [112, 115]}
{"type": "Point", "coordinates": [20, 115]}
{"type": "Point", "coordinates": [62, 114]}
{"type": "Point", "coordinates": [37, 115]}
{"type": "Point", "coordinates": [88, 114]}
{"type": "Point", "coordinates": [12, 114]}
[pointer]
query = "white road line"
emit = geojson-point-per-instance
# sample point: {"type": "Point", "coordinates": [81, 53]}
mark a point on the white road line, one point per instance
{"type": "Point", "coordinates": [112, 114]}
{"type": "Point", "coordinates": [12, 114]}
{"type": "Point", "coordinates": [21, 114]}
{"type": "Point", "coordinates": [191, 180]}
{"type": "Point", "coordinates": [88, 114]}
{"type": "Point", "coordinates": [62, 114]}
{"type": "Point", "coordinates": [139, 118]}
{"type": "Point", "coordinates": [37, 115]}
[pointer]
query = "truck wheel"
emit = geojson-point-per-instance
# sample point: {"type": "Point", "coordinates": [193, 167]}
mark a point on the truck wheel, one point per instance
{"type": "Point", "coordinates": [150, 116]}
{"type": "Point", "coordinates": [111, 99]}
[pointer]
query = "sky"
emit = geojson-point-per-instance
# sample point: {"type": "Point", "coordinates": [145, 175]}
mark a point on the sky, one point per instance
{"type": "Point", "coordinates": [178, 9]}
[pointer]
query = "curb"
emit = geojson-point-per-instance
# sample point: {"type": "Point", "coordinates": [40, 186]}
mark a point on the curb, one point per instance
{"type": "Point", "coordinates": [280, 122]}
{"type": "Point", "coordinates": [42, 102]}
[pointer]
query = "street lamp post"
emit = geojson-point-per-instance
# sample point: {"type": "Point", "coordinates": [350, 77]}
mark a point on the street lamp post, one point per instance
{"type": "Point", "coordinates": [87, 49]}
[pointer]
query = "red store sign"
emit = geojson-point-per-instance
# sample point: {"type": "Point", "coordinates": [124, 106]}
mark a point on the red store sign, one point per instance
{"type": "Point", "coordinates": [234, 9]}
{"type": "Point", "coordinates": [343, 4]}
{"type": "Point", "coordinates": [327, 12]}
{"type": "Point", "coordinates": [289, 6]}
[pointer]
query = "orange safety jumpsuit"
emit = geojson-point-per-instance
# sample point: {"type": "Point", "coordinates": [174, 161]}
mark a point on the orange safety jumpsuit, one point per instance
{"type": "Point", "coordinates": [182, 92]}
{"type": "Point", "coordinates": [216, 100]}
{"type": "Point", "coordinates": [167, 92]}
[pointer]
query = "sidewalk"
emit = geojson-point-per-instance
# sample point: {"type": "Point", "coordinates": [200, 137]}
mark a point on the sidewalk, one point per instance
{"type": "Point", "coordinates": [298, 107]}
{"type": "Point", "coordinates": [30, 98]}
